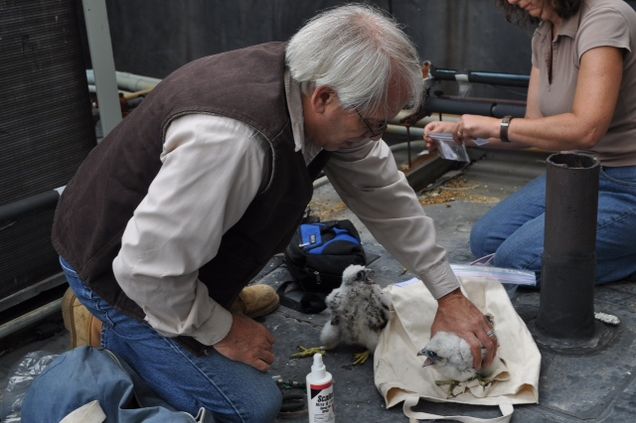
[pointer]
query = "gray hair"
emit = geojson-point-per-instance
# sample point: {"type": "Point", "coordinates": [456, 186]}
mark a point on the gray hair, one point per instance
{"type": "Point", "coordinates": [356, 50]}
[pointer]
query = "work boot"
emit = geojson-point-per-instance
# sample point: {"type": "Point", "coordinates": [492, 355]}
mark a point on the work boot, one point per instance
{"type": "Point", "coordinates": [85, 329]}
{"type": "Point", "coordinates": [256, 301]}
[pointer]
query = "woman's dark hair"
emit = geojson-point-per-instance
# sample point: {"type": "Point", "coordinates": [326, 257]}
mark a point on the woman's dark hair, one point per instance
{"type": "Point", "coordinates": [514, 14]}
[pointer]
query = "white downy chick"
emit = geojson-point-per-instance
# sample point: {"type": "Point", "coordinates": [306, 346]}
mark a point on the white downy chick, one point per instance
{"type": "Point", "coordinates": [359, 310]}
{"type": "Point", "coordinates": [452, 357]}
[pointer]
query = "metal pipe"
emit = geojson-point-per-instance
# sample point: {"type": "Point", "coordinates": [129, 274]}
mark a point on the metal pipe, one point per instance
{"type": "Point", "coordinates": [566, 308]}
{"type": "Point", "coordinates": [135, 83]}
{"type": "Point", "coordinates": [483, 107]}
{"type": "Point", "coordinates": [101, 52]}
{"type": "Point", "coordinates": [128, 81]}
{"type": "Point", "coordinates": [30, 318]}
{"type": "Point", "coordinates": [481, 77]}
{"type": "Point", "coordinates": [30, 204]}
{"type": "Point", "coordinates": [401, 130]}
{"type": "Point", "coordinates": [32, 290]}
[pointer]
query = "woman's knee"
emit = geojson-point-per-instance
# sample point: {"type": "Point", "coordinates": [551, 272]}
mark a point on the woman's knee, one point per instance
{"type": "Point", "coordinates": [518, 255]}
{"type": "Point", "coordinates": [479, 239]}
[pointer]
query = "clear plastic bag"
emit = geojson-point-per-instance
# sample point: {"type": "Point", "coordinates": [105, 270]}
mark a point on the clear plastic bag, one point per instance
{"type": "Point", "coordinates": [20, 379]}
{"type": "Point", "coordinates": [448, 148]}
{"type": "Point", "coordinates": [511, 279]}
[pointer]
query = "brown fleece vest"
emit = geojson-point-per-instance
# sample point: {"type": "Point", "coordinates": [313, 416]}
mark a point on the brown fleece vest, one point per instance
{"type": "Point", "coordinates": [246, 85]}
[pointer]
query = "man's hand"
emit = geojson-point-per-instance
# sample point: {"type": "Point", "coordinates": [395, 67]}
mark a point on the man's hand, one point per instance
{"type": "Point", "coordinates": [248, 342]}
{"type": "Point", "coordinates": [456, 314]}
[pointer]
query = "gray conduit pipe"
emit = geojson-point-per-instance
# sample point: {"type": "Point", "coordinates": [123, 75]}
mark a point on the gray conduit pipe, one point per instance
{"type": "Point", "coordinates": [30, 318]}
{"type": "Point", "coordinates": [128, 81]}
{"type": "Point", "coordinates": [416, 132]}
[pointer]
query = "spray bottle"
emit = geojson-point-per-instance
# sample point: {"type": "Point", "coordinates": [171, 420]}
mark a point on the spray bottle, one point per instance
{"type": "Point", "coordinates": [320, 393]}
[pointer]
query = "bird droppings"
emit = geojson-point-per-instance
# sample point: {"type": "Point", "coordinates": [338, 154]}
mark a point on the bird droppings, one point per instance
{"type": "Point", "coordinates": [327, 210]}
{"type": "Point", "coordinates": [456, 189]}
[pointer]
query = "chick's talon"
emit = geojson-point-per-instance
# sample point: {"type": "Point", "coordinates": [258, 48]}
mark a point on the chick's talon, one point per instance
{"type": "Point", "coordinates": [361, 357]}
{"type": "Point", "coordinates": [452, 384]}
{"type": "Point", "coordinates": [485, 381]}
{"type": "Point", "coordinates": [308, 352]}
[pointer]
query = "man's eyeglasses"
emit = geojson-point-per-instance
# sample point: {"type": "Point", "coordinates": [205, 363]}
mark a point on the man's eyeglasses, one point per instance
{"type": "Point", "coordinates": [375, 128]}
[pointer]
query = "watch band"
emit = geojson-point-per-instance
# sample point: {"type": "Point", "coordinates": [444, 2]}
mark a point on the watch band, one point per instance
{"type": "Point", "coordinates": [503, 128]}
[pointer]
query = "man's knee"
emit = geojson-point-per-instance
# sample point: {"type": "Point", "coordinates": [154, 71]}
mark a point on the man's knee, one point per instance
{"type": "Point", "coordinates": [265, 406]}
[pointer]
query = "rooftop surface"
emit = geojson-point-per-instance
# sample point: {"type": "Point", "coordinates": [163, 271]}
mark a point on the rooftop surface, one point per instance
{"type": "Point", "coordinates": [595, 385]}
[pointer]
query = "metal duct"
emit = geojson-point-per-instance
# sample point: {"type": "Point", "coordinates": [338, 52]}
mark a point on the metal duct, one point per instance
{"type": "Point", "coordinates": [46, 126]}
{"type": "Point", "coordinates": [569, 258]}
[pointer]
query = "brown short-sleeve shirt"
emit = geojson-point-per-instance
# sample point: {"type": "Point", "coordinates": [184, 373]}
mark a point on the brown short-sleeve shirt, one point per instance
{"type": "Point", "coordinates": [599, 23]}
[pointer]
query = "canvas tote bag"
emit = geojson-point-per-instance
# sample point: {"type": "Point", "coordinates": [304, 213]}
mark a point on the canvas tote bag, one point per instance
{"type": "Point", "coordinates": [400, 377]}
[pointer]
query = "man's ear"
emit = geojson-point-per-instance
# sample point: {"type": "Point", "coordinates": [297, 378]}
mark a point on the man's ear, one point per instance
{"type": "Point", "coordinates": [321, 98]}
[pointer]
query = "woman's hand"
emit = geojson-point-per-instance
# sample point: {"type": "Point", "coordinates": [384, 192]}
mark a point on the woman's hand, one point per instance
{"type": "Point", "coordinates": [473, 126]}
{"type": "Point", "coordinates": [438, 127]}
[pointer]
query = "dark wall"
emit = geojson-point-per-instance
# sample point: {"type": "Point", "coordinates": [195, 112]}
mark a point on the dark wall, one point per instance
{"type": "Point", "coordinates": [153, 37]}
{"type": "Point", "coordinates": [466, 34]}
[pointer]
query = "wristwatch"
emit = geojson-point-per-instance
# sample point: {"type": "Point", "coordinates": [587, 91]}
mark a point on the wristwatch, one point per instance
{"type": "Point", "coordinates": [503, 128]}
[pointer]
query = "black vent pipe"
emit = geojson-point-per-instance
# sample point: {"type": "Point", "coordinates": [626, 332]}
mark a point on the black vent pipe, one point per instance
{"type": "Point", "coordinates": [19, 208]}
{"type": "Point", "coordinates": [482, 77]}
{"type": "Point", "coordinates": [566, 307]}
{"type": "Point", "coordinates": [472, 106]}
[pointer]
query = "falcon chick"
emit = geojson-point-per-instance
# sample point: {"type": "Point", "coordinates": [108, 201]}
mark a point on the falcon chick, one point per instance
{"type": "Point", "coordinates": [450, 355]}
{"type": "Point", "coordinates": [359, 311]}
{"type": "Point", "coordinates": [452, 358]}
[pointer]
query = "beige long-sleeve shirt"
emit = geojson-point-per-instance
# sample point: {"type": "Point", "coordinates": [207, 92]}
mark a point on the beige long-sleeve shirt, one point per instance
{"type": "Point", "coordinates": [211, 171]}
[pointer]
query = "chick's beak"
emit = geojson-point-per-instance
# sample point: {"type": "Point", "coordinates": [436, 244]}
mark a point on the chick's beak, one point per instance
{"type": "Point", "coordinates": [428, 361]}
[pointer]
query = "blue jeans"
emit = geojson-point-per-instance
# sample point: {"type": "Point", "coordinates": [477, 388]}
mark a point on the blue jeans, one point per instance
{"type": "Point", "coordinates": [514, 229]}
{"type": "Point", "coordinates": [231, 391]}
{"type": "Point", "coordinates": [81, 375]}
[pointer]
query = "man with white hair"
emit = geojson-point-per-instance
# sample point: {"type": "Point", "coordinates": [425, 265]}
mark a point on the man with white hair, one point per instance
{"type": "Point", "coordinates": [170, 217]}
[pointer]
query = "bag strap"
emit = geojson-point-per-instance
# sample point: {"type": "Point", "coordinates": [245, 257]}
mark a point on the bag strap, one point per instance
{"type": "Point", "coordinates": [506, 409]}
{"type": "Point", "coordinates": [303, 301]}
